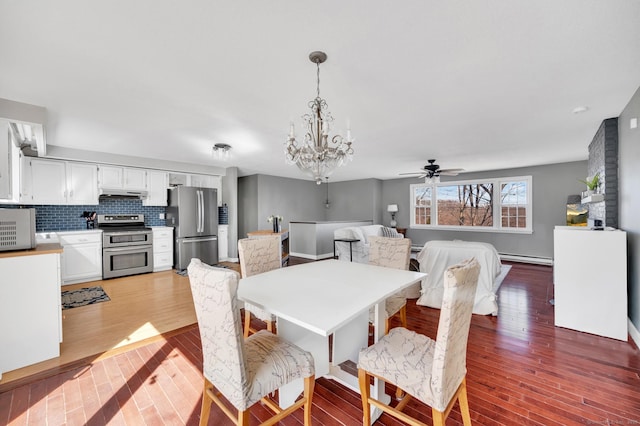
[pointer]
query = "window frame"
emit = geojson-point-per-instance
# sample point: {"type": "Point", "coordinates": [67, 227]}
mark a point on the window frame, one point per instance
{"type": "Point", "coordinates": [497, 206]}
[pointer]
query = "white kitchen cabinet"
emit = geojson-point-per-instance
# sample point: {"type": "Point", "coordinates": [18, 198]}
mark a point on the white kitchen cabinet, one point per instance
{"type": "Point", "coordinates": [223, 242]}
{"type": "Point", "coordinates": [30, 311]}
{"type": "Point", "coordinates": [47, 181]}
{"type": "Point", "coordinates": [81, 256]}
{"type": "Point", "coordinates": [157, 184]}
{"type": "Point", "coordinates": [162, 248]}
{"type": "Point", "coordinates": [82, 183]}
{"type": "Point", "coordinates": [58, 182]}
{"type": "Point", "coordinates": [9, 166]}
{"type": "Point", "coordinates": [116, 177]}
{"type": "Point", "coordinates": [590, 280]}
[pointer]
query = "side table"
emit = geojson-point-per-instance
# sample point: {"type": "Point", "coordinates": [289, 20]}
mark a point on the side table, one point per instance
{"type": "Point", "coordinates": [345, 240]}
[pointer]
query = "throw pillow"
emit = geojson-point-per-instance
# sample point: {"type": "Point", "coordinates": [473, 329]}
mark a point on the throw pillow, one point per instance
{"type": "Point", "coordinates": [390, 233]}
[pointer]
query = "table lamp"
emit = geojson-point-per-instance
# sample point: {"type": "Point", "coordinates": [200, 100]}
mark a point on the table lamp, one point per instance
{"type": "Point", "coordinates": [393, 209]}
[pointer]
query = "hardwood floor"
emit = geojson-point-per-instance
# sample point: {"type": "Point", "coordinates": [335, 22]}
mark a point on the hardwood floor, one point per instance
{"type": "Point", "coordinates": [521, 369]}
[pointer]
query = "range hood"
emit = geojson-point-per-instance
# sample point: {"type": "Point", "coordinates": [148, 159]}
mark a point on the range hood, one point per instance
{"type": "Point", "coordinates": [123, 193]}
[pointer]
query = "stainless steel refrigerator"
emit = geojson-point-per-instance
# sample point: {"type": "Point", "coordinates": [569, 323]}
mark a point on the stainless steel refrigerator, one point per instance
{"type": "Point", "coordinates": [193, 212]}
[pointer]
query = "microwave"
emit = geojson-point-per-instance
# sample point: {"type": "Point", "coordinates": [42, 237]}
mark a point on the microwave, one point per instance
{"type": "Point", "coordinates": [17, 229]}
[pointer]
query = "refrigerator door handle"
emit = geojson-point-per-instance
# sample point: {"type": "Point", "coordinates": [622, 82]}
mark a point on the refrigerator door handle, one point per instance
{"type": "Point", "coordinates": [197, 240]}
{"type": "Point", "coordinates": [201, 210]}
{"type": "Point", "coordinates": [198, 210]}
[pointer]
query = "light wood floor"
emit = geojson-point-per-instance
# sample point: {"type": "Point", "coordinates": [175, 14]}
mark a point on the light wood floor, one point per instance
{"type": "Point", "coordinates": [141, 308]}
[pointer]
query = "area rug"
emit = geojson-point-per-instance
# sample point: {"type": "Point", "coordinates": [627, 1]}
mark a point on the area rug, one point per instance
{"type": "Point", "coordinates": [83, 297]}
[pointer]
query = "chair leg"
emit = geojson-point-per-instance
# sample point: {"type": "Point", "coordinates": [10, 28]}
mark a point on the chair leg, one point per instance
{"type": "Point", "coordinates": [403, 316]}
{"type": "Point", "coordinates": [309, 383]}
{"type": "Point", "coordinates": [386, 326]}
{"type": "Point", "coordinates": [438, 417]}
{"type": "Point", "coordinates": [363, 381]}
{"type": "Point", "coordinates": [206, 404]}
{"type": "Point", "coordinates": [270, 327]}
{"type": "Point", "coordinates": [243, 418]}
{"type": "Point", "coordinates": [247, 323]}
{"type": "Point", "coordinates": [464, 403]}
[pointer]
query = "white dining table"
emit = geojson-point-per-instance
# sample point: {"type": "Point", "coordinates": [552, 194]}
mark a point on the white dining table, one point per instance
{"type": "Point", "coordinates": [317, 299]}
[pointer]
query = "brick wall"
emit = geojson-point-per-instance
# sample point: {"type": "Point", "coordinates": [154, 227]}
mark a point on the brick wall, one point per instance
{"type": "Point", "coordinates": [603, 159]}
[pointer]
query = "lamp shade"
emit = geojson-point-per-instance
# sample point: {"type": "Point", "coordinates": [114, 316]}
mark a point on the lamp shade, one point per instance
{"type": "Point", "coordinates": [392, 208]}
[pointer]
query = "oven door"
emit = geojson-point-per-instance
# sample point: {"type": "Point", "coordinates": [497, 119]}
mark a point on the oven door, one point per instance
{"type": "Point", "coordinates": [126, 238]}
{"type": "Point", "coordinates": [123, 261]}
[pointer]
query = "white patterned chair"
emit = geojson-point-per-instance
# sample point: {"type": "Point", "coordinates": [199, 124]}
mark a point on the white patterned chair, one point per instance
{"type": "Point", "coordinates": [258, 255]}
{"type": "Point", "coordinates": [391, 253]}
{"type": "Point", "coordinates": [434, 372]}
{"type": "Point", "coordinates": [243, 371]}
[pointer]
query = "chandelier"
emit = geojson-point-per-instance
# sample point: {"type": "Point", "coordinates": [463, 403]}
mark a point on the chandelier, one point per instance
{"type": "Point", "coordinates": [318, 154]}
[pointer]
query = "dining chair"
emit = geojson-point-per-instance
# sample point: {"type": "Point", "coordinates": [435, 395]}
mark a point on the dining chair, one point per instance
{"type": "Point", "coordinates": [258, 255]}
{"type": "Point", "coordinates": [391, 253]}
{"type": "Point", "coordinates": [432, 371]}
{"type": "Point", "coordinates": [243, 371]}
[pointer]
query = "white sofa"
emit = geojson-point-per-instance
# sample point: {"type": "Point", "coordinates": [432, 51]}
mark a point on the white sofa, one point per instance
{"type": "Point", "coordinates": [360, 249]}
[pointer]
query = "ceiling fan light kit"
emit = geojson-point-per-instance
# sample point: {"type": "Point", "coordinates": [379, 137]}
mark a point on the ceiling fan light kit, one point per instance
{"type": "Point", "coordinates": [318, 154]}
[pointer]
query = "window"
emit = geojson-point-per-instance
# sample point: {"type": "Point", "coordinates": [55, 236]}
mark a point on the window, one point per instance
{"type": "Point", "coordinates": [502, 204]}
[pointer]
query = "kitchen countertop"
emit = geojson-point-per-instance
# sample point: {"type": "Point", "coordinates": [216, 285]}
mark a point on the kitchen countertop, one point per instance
{"type": "Point", "coordinates": [46, 248]}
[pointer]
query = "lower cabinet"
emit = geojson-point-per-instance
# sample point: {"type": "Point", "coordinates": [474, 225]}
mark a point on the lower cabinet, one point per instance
{"type": "Point", "coordinates": [81, 256]}
{"type": "Point", "coordinates": [162, 248]}
{"type": "Point", "coordinates": [223, 242]}
{"type": "Point", "coordinates": [30, 311]}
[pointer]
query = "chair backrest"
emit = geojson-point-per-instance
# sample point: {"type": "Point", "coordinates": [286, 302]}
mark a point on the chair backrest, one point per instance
{"type": "Point", "coordinates": [450, 353]}
{"type": "Point", "coordinates": [259, 255]}
{"type": "Point", "coordinates": [390, 252]}
{"type": "Point", "coordinates": [214, 292]}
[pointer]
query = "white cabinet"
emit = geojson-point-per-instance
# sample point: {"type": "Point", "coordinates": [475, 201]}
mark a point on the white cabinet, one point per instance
{"type": "Point", "coordinates": [162, 248]}
{"type": "Point", "coordinates": [157, 184]}
{"type": "Point", "coordinates": [30, 311]}
{"type": "Point", "coordinates": [116, 177]}
{"type": "Point", "coordinates": [81, 256]}
{"type": "Point", "coordinates": [82, 183]}
{"type": "Point", "coordinates": [590, 280]}
{"type": "Point", "coordinates": [9, 165]}
{"type": "Point", "coordinates": [58, 182]}
{"type": "Point", "coordinates": [223, 242]}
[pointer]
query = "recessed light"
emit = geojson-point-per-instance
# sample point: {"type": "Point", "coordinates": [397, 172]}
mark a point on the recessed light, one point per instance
{"type": "Point", "coordinates": [580, 109]}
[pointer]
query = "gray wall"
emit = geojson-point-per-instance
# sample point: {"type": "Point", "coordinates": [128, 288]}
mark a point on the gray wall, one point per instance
{"type": "Point", "coordinates": [355, 200]}
{"type": "Point", "coordinates": [629, 200]}
{"type": "Point", "coordinates": [551, 186]}
{"type": "Point", "coordinates": [367, 199]}
{"type": "Point", "coordinates": [260, 196]}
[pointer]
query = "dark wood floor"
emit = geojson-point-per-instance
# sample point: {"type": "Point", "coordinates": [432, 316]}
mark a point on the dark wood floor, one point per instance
{"type": "Point", "coordinates": [521, 371]}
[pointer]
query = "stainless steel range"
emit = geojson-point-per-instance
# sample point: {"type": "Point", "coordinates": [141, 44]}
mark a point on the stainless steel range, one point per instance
{"type": "Point", "coordinates": [127, 245]}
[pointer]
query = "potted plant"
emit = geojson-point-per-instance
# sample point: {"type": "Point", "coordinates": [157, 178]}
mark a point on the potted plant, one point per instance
{"type": "Point", "coordinates": [592, 184]}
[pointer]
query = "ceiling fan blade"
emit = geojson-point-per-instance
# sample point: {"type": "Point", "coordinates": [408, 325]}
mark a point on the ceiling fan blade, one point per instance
{"type": "Point", "coordinates": [412, 173]}
{"type": "Point", "coordinates": [450, 172]}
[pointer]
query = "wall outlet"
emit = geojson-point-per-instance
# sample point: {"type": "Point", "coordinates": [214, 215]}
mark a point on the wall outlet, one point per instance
{"type": "Point", "coordinates": [161, 216]}
{"type": "Point", "coordinates": [633, 123]}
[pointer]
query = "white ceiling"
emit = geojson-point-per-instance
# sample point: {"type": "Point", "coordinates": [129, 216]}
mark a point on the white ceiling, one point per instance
{"type": "Point", "coordinates": [479, 85]}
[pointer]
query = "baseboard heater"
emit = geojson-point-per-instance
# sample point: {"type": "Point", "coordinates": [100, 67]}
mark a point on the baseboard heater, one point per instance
{"type": "Point", "coordinates": [526, 259]}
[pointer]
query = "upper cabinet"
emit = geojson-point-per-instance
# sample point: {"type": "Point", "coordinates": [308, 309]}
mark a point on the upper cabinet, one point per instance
{"type": "Point", "coordinates": [157, 184]}
{"type": "Point", "coordinates": [9, 165]}
{"type": "Point", "coordinates": [116, 177]}
{"type": "Point", "coordinates": [58, 182]}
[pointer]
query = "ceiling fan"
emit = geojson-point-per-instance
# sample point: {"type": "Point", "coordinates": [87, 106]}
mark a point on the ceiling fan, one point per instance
{"type": "Point", "coordinates": [434, 170]}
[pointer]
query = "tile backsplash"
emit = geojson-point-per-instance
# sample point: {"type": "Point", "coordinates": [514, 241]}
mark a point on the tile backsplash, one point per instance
{"type": "Point", "coordinates": [68, 218]}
